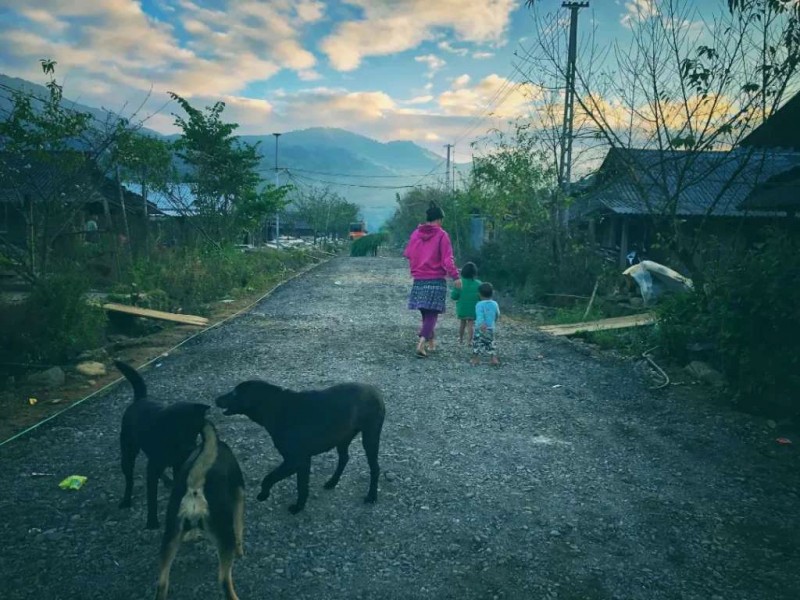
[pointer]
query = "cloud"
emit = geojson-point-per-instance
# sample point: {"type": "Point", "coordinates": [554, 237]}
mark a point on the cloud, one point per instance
{"type": "Point", "coordinates": [482, 55]}
{"type": "Point", "coordinates": [391, 27]}
{"type": "Point", "coordinates": [461, 81]}
{"type": "Point", "coordinates": [309, 75]}
{"type": "Point", "coordinates": [448, 48]}
{"type": "Point", "coordinates": [310, 12]}
{"type": "Point", "coordinates": [493, 95]}
{"type": "Point", "coordinates": [639, 10]}
{"type": "Point", "coordinates": [336, 106]}
{"type": "Point", "coordinates": [419, 100]}
{"type": "Point", "coordinates": [43, 18]}
{"type": "Point", "coordinates": [199, 51]}
{"type": "Point", "coordinates": [434, 63]}
{"type": "Point", "coordinates": [371, 113]}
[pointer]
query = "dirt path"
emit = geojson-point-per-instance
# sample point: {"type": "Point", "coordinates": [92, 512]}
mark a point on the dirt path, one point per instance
{"type": "Point", "coordinates": [558, 475]}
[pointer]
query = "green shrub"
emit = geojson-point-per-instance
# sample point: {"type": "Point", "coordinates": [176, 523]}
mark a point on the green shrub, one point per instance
{"type": "Point", "coordinates": [682, 321]}
{"type": "Point", "coordinates": [750, 313]}
{"type": "Point", "coordinates": [55, 323]}
{"type": "Point", "coordinates": [368, 244]}
{"type": "Point", "coordinates": [190, 278]}
{"type": "Point", "coordinates": [525, 265]}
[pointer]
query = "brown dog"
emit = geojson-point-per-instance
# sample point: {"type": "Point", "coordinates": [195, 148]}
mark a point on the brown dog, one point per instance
{"type": "Point", "coordinates": [208, 497]}
{"type": "Point", "coordinates": [306, 423]}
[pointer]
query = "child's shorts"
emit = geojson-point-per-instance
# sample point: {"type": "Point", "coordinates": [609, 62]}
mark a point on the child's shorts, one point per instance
{"type": "Point", "coordinates": [483, 343]}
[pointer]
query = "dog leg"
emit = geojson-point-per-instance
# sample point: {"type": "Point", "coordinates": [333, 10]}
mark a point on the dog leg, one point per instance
{"type": "Point", "coordinates": [370, 439]}
{"type": "Point", "coordinates": [344, 456]}
{"type": "Point", "coordinates": [303, 473]}
{"type": "Point", "coordinates": [238, 521]}
{"type": "Point", "coordinates": [225, 575]}
{"type": "Point", "coordinates": [169, 548]}
{"type": "Point", "coordinates": [153, 473]}
{"type": "Point", "coordinates": [128, 453]}
{"type": "Point", "coordinates": [281, 472]}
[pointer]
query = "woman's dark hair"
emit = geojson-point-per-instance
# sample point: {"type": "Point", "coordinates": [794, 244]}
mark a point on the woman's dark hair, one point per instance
{"type": "Point", "coordinates": [434, 213]}
{"type": "Point", "coordinates": [469, 271]}
{"type": "Point", "coordinates": [485, 290]}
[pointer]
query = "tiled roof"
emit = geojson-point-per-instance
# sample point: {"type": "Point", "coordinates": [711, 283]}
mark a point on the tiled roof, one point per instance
{"type": "Point", "coordinates": [646, 182]}
{"type": "Point", "coordinates": [781, 130]}
{"type": "Point", "coordinates": [781, 192]}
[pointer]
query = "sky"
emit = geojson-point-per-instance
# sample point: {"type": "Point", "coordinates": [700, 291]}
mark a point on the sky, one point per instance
{"type": "Point", "coordinates": [428, 71]}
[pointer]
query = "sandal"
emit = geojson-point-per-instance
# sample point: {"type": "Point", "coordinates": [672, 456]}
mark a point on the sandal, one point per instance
{"type": "Point", "coordinates": [421, 353]}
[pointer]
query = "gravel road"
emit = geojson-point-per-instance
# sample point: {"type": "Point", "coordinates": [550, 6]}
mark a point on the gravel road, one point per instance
{"type": "Point", "coordinates": [557, 475]}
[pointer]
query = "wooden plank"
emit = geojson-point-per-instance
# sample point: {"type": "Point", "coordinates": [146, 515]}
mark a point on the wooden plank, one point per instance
{"type": "Point", "coordinates": [601, 325]}
{"type": "Point", "coordinates": [155, 314]}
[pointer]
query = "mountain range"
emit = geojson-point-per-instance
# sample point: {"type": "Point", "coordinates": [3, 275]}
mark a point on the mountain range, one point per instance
{"type": "Point", "coordinates": [362, 170]}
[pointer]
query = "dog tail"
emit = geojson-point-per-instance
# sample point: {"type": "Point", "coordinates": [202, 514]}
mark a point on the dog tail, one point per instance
{"type": "Point", "coordinates": [194, 506]}
{"type": "Point", "coordinates": [132, 375]}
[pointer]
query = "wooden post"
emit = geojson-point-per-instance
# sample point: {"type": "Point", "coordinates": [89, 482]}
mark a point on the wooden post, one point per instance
{"type": "Point", "coordinates": [122, 204]}
{"type": "Point", "coordinates": [623, 244]}
{"type": "Point", "coordinates": [591, 300]}
{"type": "Point", "coordinates": [611, 232]}
{"type": "Point", "coordinates": [146, 215]}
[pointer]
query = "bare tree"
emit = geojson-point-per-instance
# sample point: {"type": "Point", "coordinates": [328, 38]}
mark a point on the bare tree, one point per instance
{"type": "Point", "coordinates": [686, 86]}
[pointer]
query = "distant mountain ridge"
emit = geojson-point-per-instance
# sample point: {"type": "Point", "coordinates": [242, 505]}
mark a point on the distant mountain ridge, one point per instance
{"type": "Point", "coordinates": [363, 170]}
{"type": "Point", "coordinates": [41, 92]}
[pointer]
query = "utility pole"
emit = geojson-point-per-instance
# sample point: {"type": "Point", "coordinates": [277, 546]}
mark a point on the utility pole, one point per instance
{"type": "Point", "coordinates": [447, 176]}
{"type": "Point", "coordinates": [565, 168]}
{"type": "Point", "coordinates": [277, 213]}
{"type": "Point", "coordinates": [454, 169]}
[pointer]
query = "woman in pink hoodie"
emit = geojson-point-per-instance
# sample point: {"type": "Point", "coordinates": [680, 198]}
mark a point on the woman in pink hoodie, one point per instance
{"type": "Point", "coordinates": [430, 257]}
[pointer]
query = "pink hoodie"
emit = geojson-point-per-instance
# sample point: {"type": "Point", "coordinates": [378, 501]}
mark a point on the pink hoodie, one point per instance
{"type": "Point", "coordinates": [430, 254]}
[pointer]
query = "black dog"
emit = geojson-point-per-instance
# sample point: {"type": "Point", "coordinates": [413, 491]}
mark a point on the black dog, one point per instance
{"type": "Point", "coordinates": [166, 434]}
{"type": "Point", "coordinates": [303, 424]}
{"type": "Point", "coordinates": [208, 497]}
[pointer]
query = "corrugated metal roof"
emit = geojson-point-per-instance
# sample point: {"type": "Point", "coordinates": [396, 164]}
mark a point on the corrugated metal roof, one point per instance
{"type": "Point", "coordinates": [781, 130]}
{"type": "Point", "coordinates": [648, 182]}
{"type": "Point", "coordinates": [781, 192]}
{"type": "Point", "coordinates": [180, 202]}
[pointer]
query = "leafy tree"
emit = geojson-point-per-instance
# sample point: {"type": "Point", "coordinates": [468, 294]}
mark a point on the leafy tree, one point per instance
{"type": "Point", "coordinates": [325, 211]}
{"type": "Point", "coordinates": [683, 84]}
{"type": "Point", "coordinates": [411, 208]}
{"type": "Point", "coordinates": [514, 181]}
{"type": "Point", "coordinates": [145, 160]}
{"type": "Point", "coordinates": [46, 169]}
{"type": "Point", "coordinates": [229, 192]}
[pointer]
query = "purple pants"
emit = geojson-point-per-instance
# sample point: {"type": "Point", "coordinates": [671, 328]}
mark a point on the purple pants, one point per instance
{"type": "Point", "coordinates": [429, 318]}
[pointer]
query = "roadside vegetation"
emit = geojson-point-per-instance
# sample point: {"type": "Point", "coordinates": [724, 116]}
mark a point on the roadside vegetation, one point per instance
{"type": "Point", "coordinates": [677, 91]}
{"type": "Point", "coordinates": [193, 234]}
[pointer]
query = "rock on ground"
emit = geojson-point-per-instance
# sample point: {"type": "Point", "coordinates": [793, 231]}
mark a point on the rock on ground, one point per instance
{"type": "Point", "coordinates": [556, 476]}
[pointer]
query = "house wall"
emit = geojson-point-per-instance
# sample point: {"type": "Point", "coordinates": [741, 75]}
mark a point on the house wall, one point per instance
{"type": "Point", "coordinates": [720, 238]}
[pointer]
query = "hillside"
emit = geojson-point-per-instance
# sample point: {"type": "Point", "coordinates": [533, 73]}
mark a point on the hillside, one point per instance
{"type": "Point", "coordinates": [363, 170]}
{"type": "Point", "coordinates": [7, 84]}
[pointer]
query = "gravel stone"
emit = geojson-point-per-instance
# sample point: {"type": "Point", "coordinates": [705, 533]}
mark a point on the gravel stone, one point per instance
{"type": "Point", "coordinates": [557, 475]}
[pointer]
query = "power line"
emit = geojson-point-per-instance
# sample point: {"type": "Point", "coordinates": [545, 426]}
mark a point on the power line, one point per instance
{"type": "Point", "coordinates": [355, 185]}
{"type": "Point", "coordinates": [497, 99]}
{"type": "Point", "coordinates": [71, 109]}
{"type": "Point", "coordinates": [349, 175]}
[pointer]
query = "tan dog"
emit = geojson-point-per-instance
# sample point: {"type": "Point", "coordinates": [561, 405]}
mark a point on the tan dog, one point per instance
{"type": "Point", "coordinates": [208, 498]}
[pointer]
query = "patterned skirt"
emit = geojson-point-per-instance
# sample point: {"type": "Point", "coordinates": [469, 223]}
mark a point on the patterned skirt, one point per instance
{"type": "Point", "coordinates": [428, 294]}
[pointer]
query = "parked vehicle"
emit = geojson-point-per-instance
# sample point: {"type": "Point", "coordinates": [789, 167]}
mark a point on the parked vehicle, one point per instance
{"type": "Point", "coordinates": [357, 230]}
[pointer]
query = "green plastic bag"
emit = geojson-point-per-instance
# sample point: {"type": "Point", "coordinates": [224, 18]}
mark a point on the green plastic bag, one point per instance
{"type": "Point", "coordinates": [73, 482]}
